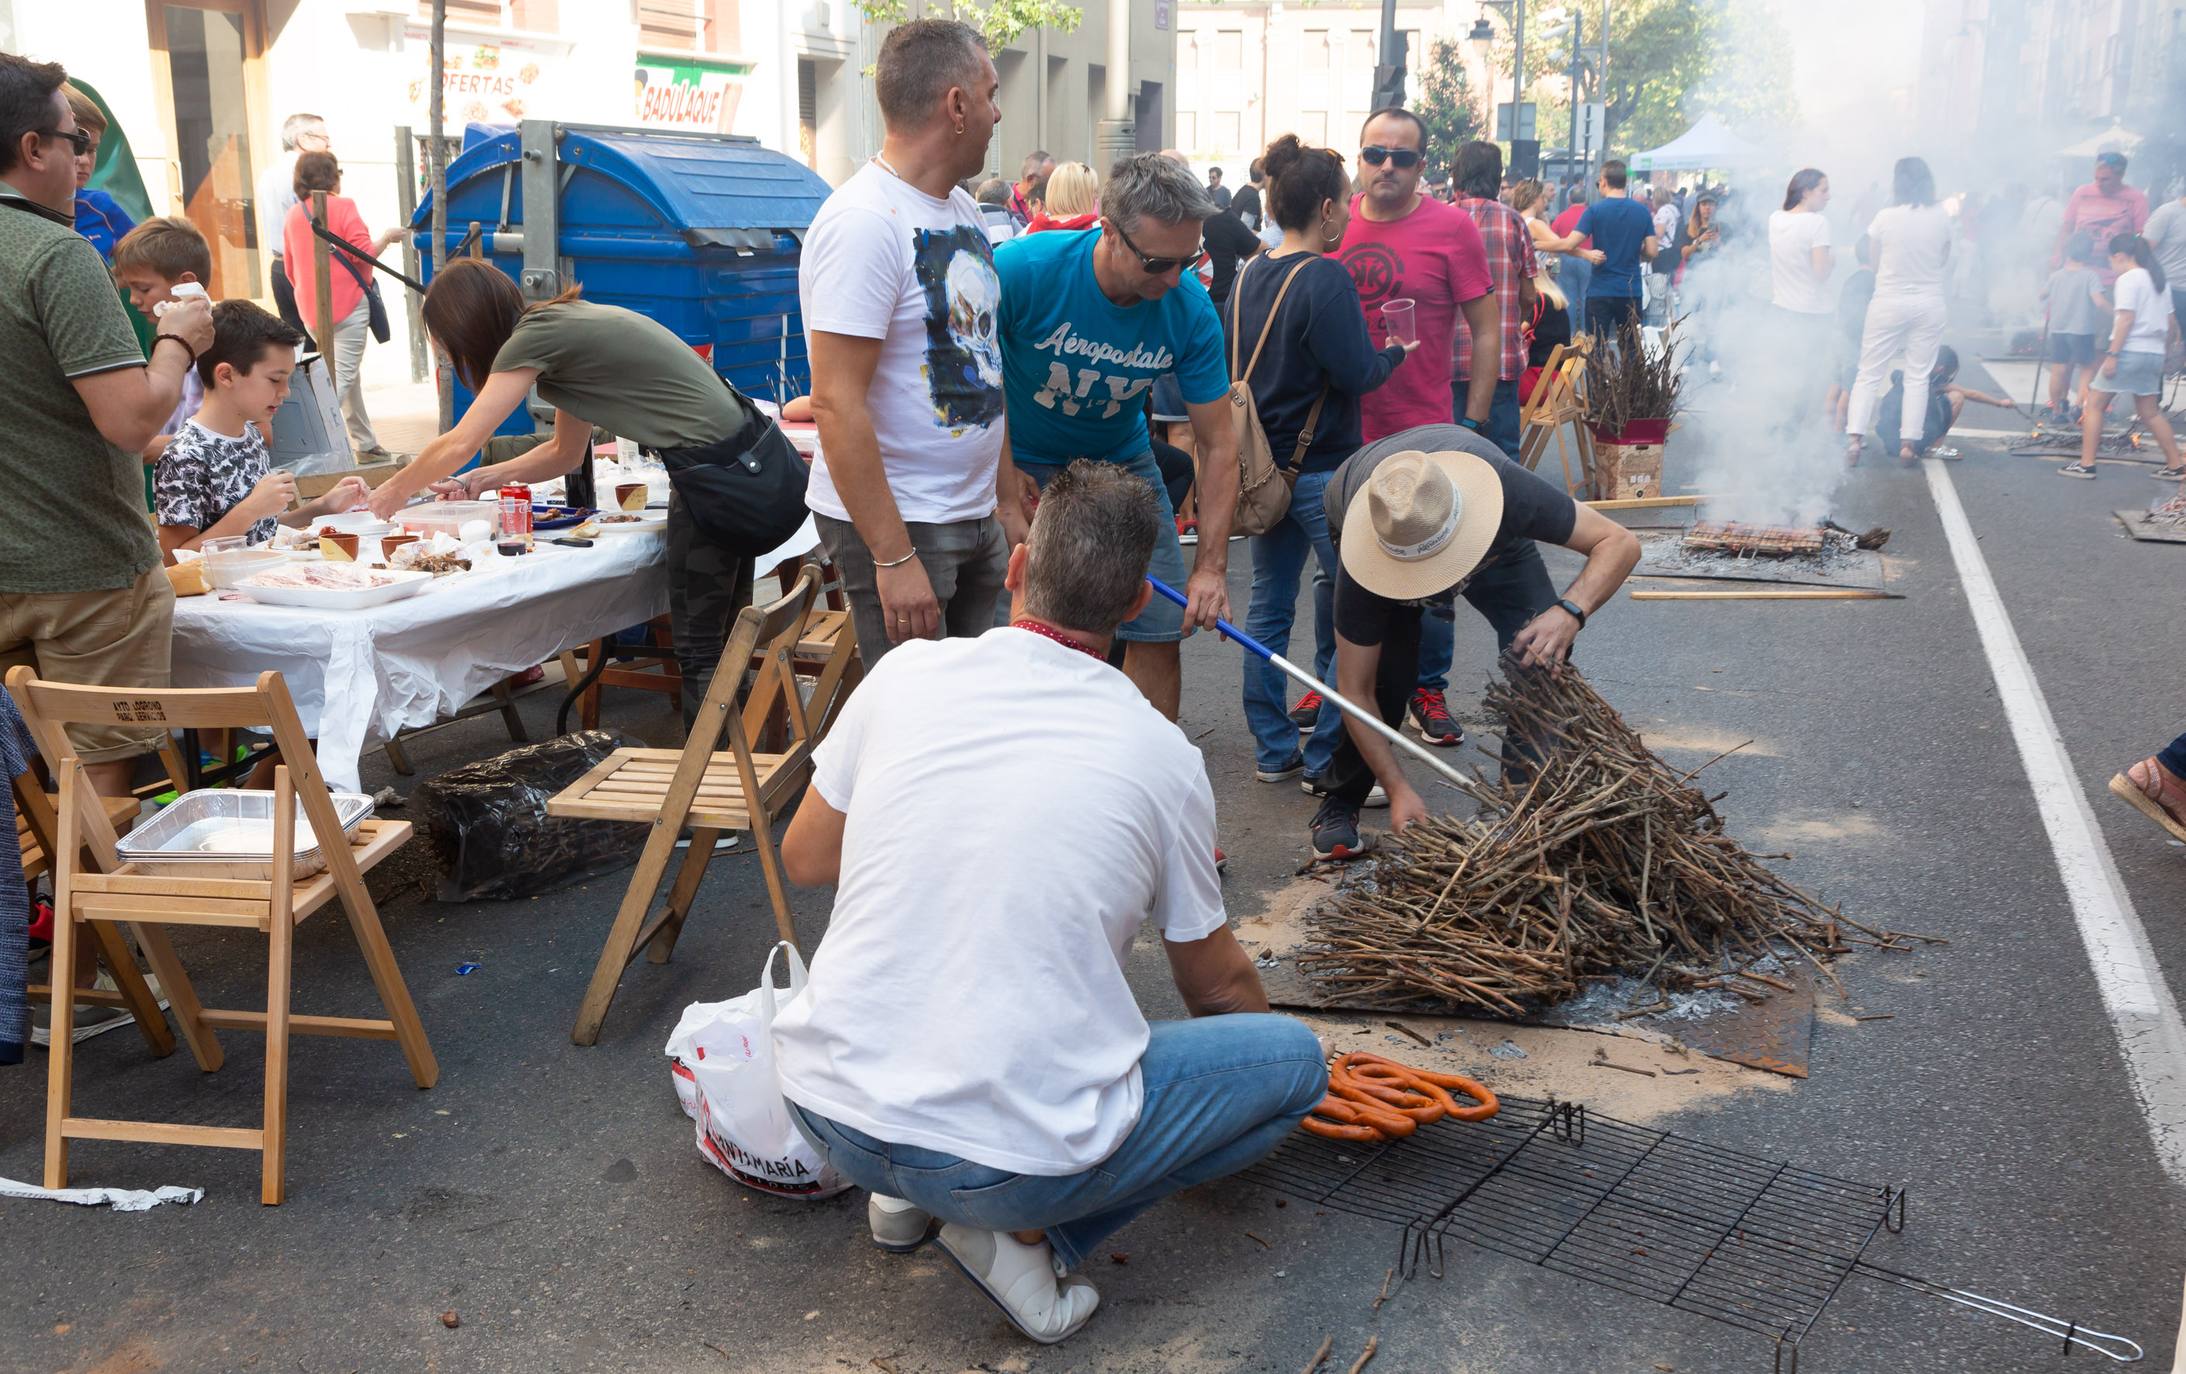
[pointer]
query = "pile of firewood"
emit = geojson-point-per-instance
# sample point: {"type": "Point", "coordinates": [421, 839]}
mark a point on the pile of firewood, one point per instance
{"type": "Point", "coordinates": [1601, 861]}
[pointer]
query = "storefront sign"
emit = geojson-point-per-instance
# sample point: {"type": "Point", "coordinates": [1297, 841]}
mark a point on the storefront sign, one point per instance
{"type": "Point", "coordinates": [498, 82]}
{"type": "Point", "coordinates": [679, 93]}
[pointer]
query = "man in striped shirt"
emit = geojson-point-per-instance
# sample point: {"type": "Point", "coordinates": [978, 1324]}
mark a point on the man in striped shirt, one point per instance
{"type": "Point", "coordinates": [1513, 265]}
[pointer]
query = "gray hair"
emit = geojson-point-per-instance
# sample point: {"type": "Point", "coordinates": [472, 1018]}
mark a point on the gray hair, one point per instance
{"type": "Point", "coordinates": [920, 62]}
{"type": "Point", "coordinates": [1149, 186]}
{"type": "Point", "coordinates": [1090, 546]}
{"type": "Point", "coordinates": [295, 127]}
{"type": "Point", "coordinates": [992, 191]}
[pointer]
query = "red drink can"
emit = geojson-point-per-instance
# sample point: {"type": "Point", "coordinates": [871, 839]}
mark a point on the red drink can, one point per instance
{"type": "Point", "coordinates": [516, 512]}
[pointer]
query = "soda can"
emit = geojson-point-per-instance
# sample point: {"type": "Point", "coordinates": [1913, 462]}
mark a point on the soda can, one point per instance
{"type": "Point", "coordinates": [516, 512]}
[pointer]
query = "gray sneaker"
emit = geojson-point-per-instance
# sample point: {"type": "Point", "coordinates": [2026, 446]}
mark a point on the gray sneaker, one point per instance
{"type": "Point", "coordinates": [90, 1020]}
{"type": "Point", "coordinates": [898, 1227]}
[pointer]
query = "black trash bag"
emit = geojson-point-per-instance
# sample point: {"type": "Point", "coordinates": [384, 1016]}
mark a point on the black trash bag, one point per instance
{"type": "Point", "coordinates": [490, 833]}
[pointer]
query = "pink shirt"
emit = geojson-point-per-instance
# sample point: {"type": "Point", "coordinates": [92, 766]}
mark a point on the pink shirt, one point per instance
{"type": "Point", "coordinates": [345, 222]}
{"type": "Point", "coordinates": [2101, 216]}
{"type": "Point", "coordinates": [1434, 257]}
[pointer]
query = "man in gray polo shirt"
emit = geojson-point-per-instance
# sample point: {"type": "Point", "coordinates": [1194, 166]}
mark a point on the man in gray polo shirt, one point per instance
{"type": "Point", "coordinates": [82, 597]}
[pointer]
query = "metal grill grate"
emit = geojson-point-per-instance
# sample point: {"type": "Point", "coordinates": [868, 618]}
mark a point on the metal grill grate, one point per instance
{"type": "Point", "coordinates": [1749, 1242]}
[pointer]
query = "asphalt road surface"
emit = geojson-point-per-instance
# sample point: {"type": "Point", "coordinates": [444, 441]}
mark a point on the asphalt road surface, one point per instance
{"type": "Point", "coordinates": [551, 1195]}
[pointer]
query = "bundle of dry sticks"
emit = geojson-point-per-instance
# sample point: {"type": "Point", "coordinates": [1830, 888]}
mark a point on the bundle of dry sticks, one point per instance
{"type": "Point", "coordinates": [1605, 862]}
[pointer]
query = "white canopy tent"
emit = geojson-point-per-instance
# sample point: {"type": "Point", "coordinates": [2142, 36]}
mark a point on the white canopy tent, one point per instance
{"type": "Point", "coordinates": [1709, 144]}
{"type": "Point", "coordinates": [2115, 139]}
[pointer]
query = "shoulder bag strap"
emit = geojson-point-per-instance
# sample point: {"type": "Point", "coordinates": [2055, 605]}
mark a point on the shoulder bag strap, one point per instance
{"type": "Point", "coordinates": [1274, 307]}
{"type": "Point", "coordinates": [1305, 436]}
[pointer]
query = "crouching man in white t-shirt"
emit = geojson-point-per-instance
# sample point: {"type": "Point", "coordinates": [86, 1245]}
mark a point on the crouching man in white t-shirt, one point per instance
{"type": "Point", "coordinates": [968, 1048]}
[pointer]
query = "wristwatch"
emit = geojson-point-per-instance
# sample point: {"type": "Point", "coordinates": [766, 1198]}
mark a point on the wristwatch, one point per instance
{"type": "Point", "coordinates": [1573, 607]}
{"type": "Point", "coordinates": [1468, 422]}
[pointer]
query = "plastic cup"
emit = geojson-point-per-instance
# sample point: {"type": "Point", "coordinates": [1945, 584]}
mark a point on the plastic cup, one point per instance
{"type": "Point", "coordinates": [1400, 321]}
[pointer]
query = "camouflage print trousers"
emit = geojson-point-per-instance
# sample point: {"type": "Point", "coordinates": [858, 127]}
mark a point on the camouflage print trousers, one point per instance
{"type": "Point", "coordinates": [707, 587]}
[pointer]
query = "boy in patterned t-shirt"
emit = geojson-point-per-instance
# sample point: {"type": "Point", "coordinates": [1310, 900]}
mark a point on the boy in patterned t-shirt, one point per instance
{"type": "Point", "coordinates": [213, 480]}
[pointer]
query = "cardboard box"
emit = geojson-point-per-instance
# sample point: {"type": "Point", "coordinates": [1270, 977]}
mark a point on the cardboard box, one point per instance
{"type": "Point", "coordinates": [1626, 472]}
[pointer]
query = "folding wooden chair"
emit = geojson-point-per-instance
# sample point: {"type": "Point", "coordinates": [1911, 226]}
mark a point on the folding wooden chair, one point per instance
{"type": "Point", "coordinates": [708, 790]}
{"type": "Point", "coordinates": [105, 890]}
{"type": "Point", "coordinates": [37, 828]}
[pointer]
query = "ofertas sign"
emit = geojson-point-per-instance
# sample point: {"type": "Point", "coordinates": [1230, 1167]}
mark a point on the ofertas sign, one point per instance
{"type": "Point", "coordinates": [503, 81]}
{"type": "Point", "coordinates": [680, 93]}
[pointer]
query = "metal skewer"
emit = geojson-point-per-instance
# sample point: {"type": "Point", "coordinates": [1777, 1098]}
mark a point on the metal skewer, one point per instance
{"type": "Point", "coordinates": [1370, 719]}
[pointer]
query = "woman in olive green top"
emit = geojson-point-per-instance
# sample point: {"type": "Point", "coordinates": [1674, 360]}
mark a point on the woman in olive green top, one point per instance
{"type": "Point", "coordinates": [596, 365]}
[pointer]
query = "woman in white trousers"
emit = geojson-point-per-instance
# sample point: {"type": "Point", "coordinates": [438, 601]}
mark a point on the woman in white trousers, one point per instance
{"type": "Point", "coordinates": [1910, 243]}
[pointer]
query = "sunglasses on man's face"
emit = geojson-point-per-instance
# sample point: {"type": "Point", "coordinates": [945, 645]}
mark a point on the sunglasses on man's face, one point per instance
{"type": "Point", "coordinates": [81, 141]}
{"type": "Point", "coordinates": [1404, 159]}
{"type": "Point", "coordinates": [1158, 267]}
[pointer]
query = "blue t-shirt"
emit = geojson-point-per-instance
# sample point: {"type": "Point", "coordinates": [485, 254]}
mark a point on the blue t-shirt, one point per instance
{"type": "Point", "coordinates": [100, 218]}
{"type": "Point", "coordinates": [1618, 225]}
{"type": "Point", "coordinates": [1076, 367]}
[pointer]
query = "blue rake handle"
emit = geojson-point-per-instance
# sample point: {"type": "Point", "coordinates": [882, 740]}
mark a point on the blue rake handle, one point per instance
{"type": "Point", "coordinates": [1369, 719]}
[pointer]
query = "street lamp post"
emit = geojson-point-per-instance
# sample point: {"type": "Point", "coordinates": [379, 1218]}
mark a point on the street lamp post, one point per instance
{"type": "Point", "coordinates": [1483, 35]}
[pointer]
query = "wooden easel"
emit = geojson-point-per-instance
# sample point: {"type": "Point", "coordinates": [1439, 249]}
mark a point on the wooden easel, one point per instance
{"type": "Point", "coordinates": [1559, 402]}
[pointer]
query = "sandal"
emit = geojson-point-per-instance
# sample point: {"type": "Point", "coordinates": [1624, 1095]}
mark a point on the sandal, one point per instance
{"type": "Point", "coordinates": [2151, 790]}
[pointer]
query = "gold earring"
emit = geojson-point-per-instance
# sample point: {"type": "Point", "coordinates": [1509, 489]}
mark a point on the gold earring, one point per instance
{"type": "Point", "coordinates": [960, 129]}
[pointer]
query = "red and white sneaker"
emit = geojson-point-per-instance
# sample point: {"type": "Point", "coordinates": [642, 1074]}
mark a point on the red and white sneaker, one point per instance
{"type": "Point", "coordinates": [1306, 712]}
{"type": "Point", "coordinates": [1431, 714]}
{"type": "Point", "coordinates": [1187, 531]}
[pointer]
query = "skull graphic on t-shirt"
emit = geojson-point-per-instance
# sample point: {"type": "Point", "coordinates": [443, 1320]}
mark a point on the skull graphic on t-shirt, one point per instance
{"type": "Point", "coordinates": [963, 358]}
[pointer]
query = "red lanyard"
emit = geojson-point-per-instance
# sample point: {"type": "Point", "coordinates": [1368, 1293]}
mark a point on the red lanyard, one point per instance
{"type": "Point", "coordinates": [1058, 636]}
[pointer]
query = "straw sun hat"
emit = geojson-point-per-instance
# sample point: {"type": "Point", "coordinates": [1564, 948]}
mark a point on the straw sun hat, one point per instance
{"type": "Point", "coordinates": [1422, 523]}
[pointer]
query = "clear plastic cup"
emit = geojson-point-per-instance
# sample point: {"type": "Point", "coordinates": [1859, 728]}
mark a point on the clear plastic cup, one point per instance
{"type": "Point", "coordinates": [1400, 321]}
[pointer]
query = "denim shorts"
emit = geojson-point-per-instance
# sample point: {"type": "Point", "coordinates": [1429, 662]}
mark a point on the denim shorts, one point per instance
{"type": "Point", "coordinates": [1162, 622]}
{"type": "Point", "coordinates": [2139, 374]}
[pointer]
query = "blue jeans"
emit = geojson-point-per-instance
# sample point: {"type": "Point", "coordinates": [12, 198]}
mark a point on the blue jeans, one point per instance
{"type": "Point", "coordinates": [1278, 561]}
{"type": "Point", "coordinates": [2173, 756]}
{"type": "Point", "coordinates": [1221, 1093]}
{"type": "Point", "coordinates": [1162, 622]}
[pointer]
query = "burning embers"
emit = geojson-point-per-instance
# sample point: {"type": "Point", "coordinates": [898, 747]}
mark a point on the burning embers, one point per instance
{"type": "Point", "coordinates": [1772, 541]}
{"type": "Point", "coordinates": [1742, 540]}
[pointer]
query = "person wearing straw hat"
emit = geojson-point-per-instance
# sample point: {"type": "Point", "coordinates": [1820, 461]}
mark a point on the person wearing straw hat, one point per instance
{"type": "Point", "coordinates": [1428, 514]}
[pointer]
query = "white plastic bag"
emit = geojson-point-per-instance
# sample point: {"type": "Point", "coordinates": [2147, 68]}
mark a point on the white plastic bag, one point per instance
{"type": "Point", "coordinates": [722, 1058]}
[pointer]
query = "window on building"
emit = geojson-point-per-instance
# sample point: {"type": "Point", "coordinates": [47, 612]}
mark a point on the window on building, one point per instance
{"type": "Point", "coordinates": [685, 25]}
{"type": "Point", "coordinates": [539, 16]}
{"type": "Point", "coordinates": [1229, 49]}
{"type": "Point", "coordinates": [1225, 132]}
{"type": "Point", "coordinates": [1313, 51]}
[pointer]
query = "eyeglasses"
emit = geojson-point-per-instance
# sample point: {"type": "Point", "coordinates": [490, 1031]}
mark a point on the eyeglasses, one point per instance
{"type": "Point", "coordinates": [1158, 267]}
{"type": "Point", "coordinates": [78, 139]}
{"type": "Point", "coordinates": [1403, 159]}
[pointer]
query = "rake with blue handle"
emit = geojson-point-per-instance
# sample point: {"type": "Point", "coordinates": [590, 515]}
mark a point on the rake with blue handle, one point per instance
{"type": "Point", "coordinates": [1369, 719]}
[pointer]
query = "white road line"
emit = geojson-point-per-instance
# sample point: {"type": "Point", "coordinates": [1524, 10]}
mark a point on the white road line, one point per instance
{"type": "Point", "coordinates": [2151, 1038]}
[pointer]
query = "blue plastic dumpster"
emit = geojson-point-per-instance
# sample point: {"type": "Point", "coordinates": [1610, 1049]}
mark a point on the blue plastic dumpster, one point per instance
{"type": "Point", "coordinates": [698, 231]}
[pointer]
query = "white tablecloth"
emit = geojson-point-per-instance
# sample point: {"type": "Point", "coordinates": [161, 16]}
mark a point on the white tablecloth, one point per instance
{"type": "Point", "coordinates": [358, 677]}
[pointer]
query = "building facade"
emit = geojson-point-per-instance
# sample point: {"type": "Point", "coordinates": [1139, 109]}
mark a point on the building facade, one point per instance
{"type": "Point", "coordinates": [1252, 71]}
{"type": "Point", "coordinates": [201, 88]}
{"type": "Point", "coordinates": [2001, 78]}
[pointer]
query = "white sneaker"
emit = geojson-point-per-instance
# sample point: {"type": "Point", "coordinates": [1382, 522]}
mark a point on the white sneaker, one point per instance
{"type": "Point", "coordinates": [1023, 1280]}
{"type": "Point", "coordinates": [898, 1226]}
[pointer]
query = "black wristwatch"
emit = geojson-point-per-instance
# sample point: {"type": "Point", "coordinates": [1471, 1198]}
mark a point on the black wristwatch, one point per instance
{"type": "Point", "coordinates": [1468, 422]}
{"type": "Point", "coordinates": [1573, 607]}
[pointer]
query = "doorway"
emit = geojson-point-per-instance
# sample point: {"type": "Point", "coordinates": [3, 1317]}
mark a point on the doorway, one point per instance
{"type": "Point", "coordinates": [205, 73]}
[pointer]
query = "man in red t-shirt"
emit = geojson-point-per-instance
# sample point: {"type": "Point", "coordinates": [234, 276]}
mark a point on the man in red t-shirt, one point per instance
{"type": "Point", "coordinates": [1402, 245]}
{"type": "Point", "coordinates": [2100, 209]}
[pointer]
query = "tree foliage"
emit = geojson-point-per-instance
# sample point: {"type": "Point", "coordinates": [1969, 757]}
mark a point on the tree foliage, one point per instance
{"type": "Point", "coordinates": [1671, 61]}
{"type": "Point", "coordinates": [1446, 104]}
{"type": "Point", "coordinates": [1001, 21]}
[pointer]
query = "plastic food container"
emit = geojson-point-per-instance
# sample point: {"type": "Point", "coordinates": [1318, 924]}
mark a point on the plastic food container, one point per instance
{"type": "Point", "coordinates": [395, 584]}
{"type": "Point", "coordinates": [449, 517]}
{"type": "Point", "coordinates": [226, 567]}
{"type": "Point", "coordinates": [228, 833]}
